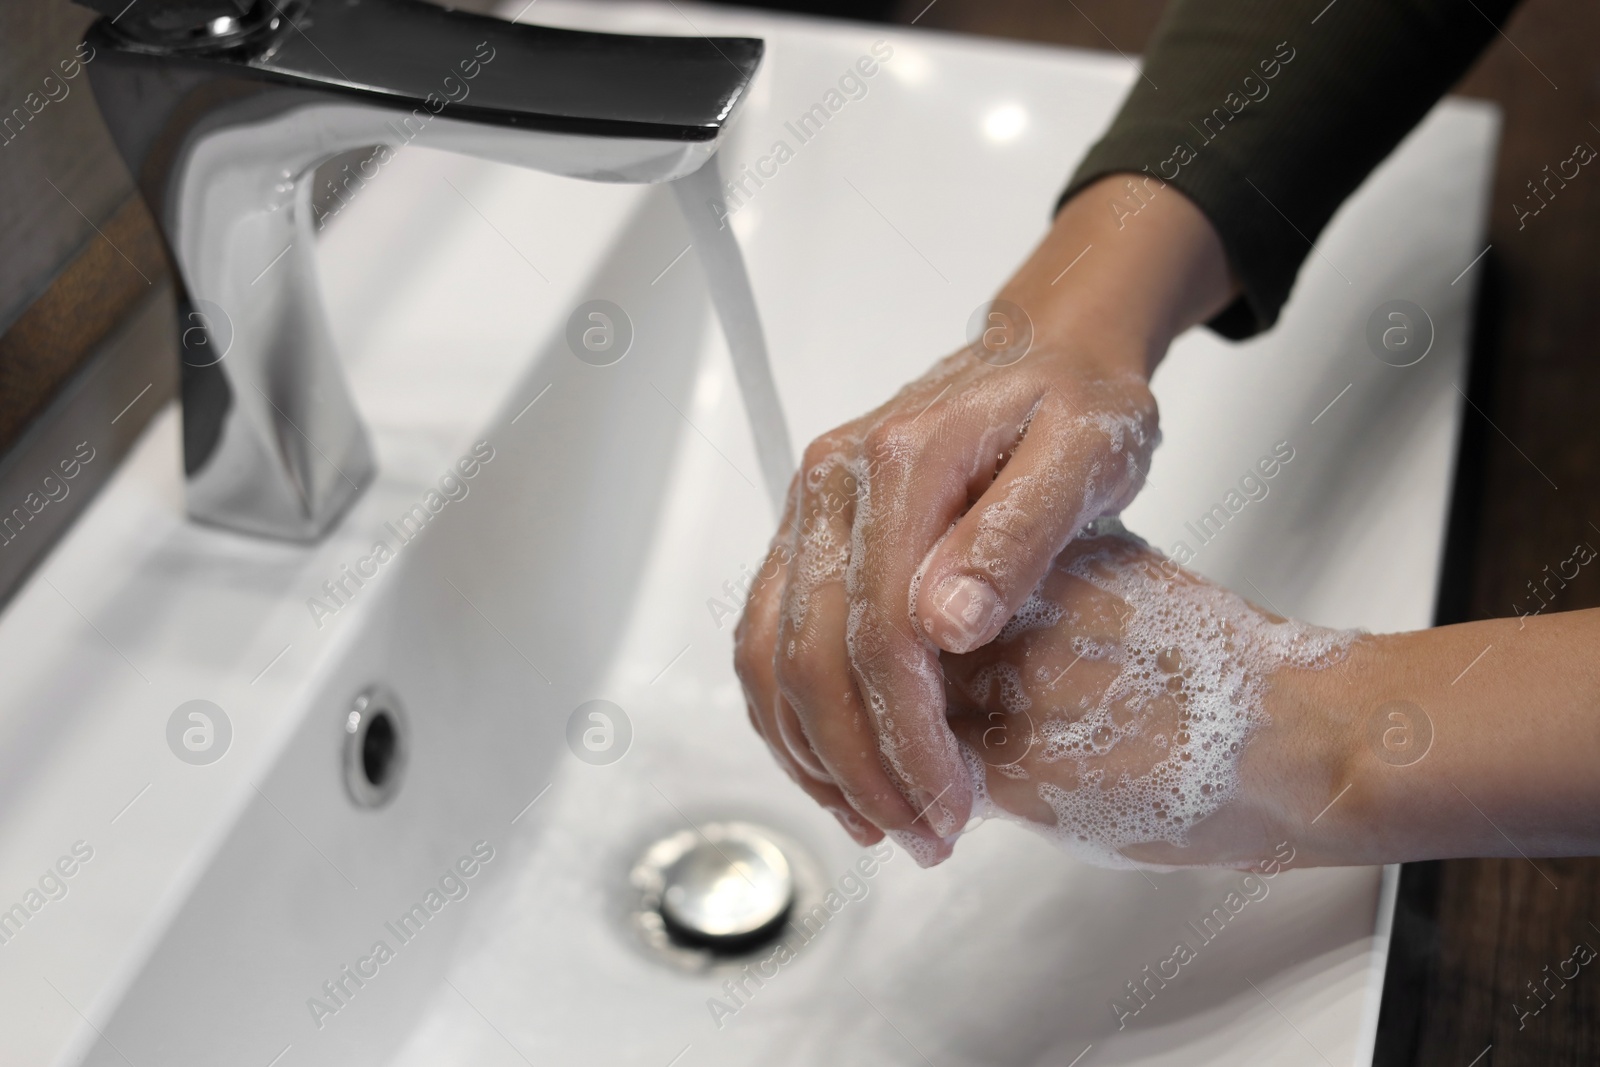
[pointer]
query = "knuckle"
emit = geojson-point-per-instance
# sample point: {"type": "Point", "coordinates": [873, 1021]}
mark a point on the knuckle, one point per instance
{"type": "Point", "coordinates": [828, 483]}
{"type": "Point", "coordinates": [893, 438]}
{"type": "Point", "coordinates": [818, 454]}
{"type": "Point", "coordinates": [749, 658]}
{"type": "Point", "coordinates": [1142, 401]}
{"type": "Point", "coordinates": [1008, 553]}
{"type": "Point", "coordinates": [1014, 537]}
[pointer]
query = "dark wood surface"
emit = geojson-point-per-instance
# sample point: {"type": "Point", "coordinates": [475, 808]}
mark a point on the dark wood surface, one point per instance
{"type": "Point", "coordinates": [60, 175]}
{"type": "Point", "coordinates": [114, 272]}
{"type": "Point", "coordinates": [1471, 933]}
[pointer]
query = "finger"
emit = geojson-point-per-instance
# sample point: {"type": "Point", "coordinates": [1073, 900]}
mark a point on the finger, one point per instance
{"type": "Point", "coordinates": [817, 528]}
{"type": "Point", "coordinates": [1069, 468]}
{"type": "Point", "coordinates": [754, 644]}
{"type": "Point", "coordinates": [917, 483]}
{"type": "Point", "coordinates": [823, 791]}
{"type": "Point", "coordinates": [818, 684]}
{"type": "Point", "coordinates": [812, 666]}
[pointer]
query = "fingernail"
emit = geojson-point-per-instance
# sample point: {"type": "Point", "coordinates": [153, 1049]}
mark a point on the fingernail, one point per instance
{"type": "Point", "coordinates": [941, 819]}
{"type": "Point", "coordinates": [938, 817]}
{"type": "Point", "coordinates": [965, 606]}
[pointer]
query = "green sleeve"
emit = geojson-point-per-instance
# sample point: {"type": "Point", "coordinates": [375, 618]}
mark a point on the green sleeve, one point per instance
{"type": "Point", "coordinates": [1268, 113]}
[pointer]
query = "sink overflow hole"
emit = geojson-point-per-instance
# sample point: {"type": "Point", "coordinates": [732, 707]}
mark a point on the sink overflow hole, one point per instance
{"type": "Point", "coordinates": [375, 747]}
{"type": "Point", "coordinates": [379, 749]}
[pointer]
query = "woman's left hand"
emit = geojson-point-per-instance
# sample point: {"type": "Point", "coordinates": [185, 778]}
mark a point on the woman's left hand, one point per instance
{"type": "Point", "coordinates": [1136, 713]}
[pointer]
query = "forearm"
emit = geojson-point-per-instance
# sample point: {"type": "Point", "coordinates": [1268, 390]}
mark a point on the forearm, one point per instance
{"type": "Point", "coordinates": [1268, 113]}
{"type": "Point", "coordinates": [1513, 765]}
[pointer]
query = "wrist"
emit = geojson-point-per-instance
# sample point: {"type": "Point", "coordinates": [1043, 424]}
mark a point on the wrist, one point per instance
{"type": "Point", "coordinates": [1109, 288]}
{"type": "Point", "coordinates": [1476, 739]}
{"type": "Point", "coordinates": [1317, 796]}
{"type": "Point", "coordinates": [1369, 761]}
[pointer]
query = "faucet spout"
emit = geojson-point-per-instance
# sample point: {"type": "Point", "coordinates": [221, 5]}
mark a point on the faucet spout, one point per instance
{"type": "Point", "coordinates": [223, 109]}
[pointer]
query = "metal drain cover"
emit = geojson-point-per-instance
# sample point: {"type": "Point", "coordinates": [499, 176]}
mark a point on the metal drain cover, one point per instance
{"type": "Point", "coordinates": [723, 887]}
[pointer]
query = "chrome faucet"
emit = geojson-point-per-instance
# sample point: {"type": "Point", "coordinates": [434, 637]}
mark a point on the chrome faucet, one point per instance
{"type": "Point", "coordinates": [223, 109]}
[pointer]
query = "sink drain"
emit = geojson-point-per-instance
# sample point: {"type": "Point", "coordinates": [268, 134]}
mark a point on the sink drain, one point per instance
{"type": "Point", "coordinates": [726, 891]}
{"type": "Point", "coordinates": [719, 893]}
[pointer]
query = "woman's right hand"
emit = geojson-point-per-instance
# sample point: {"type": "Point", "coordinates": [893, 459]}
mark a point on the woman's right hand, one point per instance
{"type": "Point", "coordinates": [923, 526]}
{"type": "Point", "coordinates": [844, 681]}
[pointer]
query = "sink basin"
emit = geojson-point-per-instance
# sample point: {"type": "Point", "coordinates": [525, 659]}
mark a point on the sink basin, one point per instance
{"type": "Point", "coordinates": [559, 532]}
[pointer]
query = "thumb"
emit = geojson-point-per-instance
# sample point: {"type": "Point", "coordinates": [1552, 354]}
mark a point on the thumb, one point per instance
{"type": "Point", "coordinates": [1068, 470]}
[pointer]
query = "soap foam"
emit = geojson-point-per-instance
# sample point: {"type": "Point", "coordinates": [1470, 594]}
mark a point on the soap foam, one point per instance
{"type": "Point", "coordinates": [878, 646]}
{"type": "Point", "coordinates": [1012, 697]}
{"type": "Point", "coordinates": [919, 848]}
{"type": "Point", "coordinates": [1159, 749]}
{"type": "Point", "coordinates": [821, 552]}
{"type": "Point", "coordinates": [1036, 613]}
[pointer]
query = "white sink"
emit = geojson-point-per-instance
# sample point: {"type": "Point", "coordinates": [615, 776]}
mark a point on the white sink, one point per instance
{"type": "Point", "coordinates": [587, 562]}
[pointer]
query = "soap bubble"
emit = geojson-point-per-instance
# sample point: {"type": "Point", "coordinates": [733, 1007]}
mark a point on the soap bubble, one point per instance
{"type": "Point", "coordinates": [1141, 697]}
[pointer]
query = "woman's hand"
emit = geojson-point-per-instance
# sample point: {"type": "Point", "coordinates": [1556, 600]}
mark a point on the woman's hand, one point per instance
{"type": "Point", "coordinates": [983, 472]}
{"type": "Point", "coordinates": [1136, 713]}
{"type": "Point", "coordinates": [848, 680]}
{"type": "Point", "coordinates": [925, 524]}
